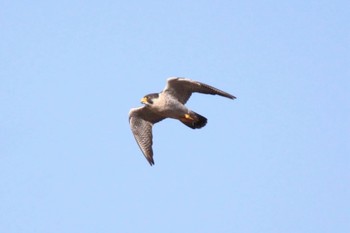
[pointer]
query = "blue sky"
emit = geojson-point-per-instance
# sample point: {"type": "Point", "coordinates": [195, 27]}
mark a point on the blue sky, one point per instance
{"type": "Point", "coordinates": [276, 159]}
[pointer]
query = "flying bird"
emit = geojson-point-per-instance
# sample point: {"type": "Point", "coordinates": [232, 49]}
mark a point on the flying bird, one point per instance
{"type": "Point", "coordinates": [170, 103]}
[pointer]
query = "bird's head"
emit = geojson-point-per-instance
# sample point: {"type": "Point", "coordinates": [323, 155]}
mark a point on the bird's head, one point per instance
{"type": "Point", "coordinates": [149, 99]}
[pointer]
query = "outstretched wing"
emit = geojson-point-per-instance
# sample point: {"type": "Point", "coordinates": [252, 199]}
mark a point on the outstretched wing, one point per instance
{"type": "Point", "coordinates": [182, 89]}
{"type": "Point", "coordinates": [141, 121]}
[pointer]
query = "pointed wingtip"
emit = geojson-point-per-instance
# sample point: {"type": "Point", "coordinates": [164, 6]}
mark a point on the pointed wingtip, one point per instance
{"type": "Point", "coordinates": [229, 96]}
{"type": "Point", "coordinates": [150, 161]}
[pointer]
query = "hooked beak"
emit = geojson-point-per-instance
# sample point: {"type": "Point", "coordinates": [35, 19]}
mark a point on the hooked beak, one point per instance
{"type": "Point", "coordinates": [144, 100]}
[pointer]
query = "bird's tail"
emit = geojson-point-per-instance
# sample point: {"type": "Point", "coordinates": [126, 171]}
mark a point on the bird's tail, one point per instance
{"type": "Point", "coordinates": [194, 120]}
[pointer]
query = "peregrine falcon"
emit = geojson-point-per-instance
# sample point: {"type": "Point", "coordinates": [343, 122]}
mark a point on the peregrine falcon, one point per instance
{"type": "Point", "coordinates": [170, 103]}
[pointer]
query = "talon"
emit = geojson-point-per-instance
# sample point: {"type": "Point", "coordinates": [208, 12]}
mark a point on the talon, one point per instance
{"type": "Point", "coordinates": [187, 116]}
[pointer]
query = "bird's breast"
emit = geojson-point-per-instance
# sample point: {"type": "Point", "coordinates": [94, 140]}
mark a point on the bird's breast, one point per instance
{"type": "Point", "coordinates": [171, 108]}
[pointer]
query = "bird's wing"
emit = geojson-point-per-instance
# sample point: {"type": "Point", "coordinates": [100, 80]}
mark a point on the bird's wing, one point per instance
{"type": "Point", "coordinates": [182, 89]}
{"type": "Point", "coordinates": [141, 121]}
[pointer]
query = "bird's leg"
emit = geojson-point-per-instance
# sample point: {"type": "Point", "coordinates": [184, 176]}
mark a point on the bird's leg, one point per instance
{"type": "Point", "coordinates": [188, 117]}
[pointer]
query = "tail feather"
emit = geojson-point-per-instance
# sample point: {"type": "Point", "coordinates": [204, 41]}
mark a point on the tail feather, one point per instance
{"type": "Point", "coordinates": [198, 121]}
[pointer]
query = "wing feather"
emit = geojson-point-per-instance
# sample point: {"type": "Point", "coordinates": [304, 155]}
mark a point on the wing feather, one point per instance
{"type": "Point", "coordinates": [182, 89]}
{"type": "Point", "coordinates": [141, 121]}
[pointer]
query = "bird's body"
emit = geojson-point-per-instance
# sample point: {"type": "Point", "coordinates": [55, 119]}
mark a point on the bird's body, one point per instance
{"type": "Point", "coordinates": [168, 107]}
{"type": "Point", "coordinates": [170, 103]}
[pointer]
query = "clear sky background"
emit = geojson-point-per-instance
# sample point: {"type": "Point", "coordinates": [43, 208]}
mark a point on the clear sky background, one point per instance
{"type": "Point", "coordinates": [276, 159]}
